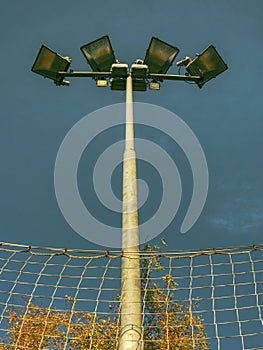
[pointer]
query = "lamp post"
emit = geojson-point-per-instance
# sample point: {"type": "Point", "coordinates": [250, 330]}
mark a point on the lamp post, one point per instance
{"type": "Point", "coordinates": [150, 72]}
{"type": "Point", "coordinates": [130, 336]}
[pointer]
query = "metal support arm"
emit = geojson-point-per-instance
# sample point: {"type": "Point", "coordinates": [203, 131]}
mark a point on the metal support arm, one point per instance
{"type": "Point", "coordinates": [108, 74]}
{"type": "Point", "coordinates": [84, 74]}
{"type": "Point", "coordinates": [174, 77]}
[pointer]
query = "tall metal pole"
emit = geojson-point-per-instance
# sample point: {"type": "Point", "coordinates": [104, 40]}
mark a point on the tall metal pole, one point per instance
{"type": "Point", "coordinates": [130, 335]}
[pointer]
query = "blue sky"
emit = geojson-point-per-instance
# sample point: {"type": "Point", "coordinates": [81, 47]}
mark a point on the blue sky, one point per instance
{"type": "Point", "coordinates": [226, 115]}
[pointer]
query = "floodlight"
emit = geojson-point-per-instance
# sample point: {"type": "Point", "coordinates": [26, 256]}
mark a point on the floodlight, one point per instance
{"type": "Point", "coordinates": [207, 65]}
{"type": "Point", "coordinates": [139, 70]}
{"type": "Point", "coordinates": [139, 85]}
{"type": "Point", "coordinates": [154, 85]}
{"type": "Point", "coordinates": [99, 54]}
{"type": "Point", "coordinates": [119, 70]}
{"type": "Point", "coordinates": [48, 63]}
{"type": "Point", "coordinates": [160, 56]}
{"type": "Point", "coordinates": [101, 82]}
{"type": "Point", "coordinates": [118, 84]}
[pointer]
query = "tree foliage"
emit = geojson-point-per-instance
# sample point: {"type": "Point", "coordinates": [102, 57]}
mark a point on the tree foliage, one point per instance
{"type": "Point", "coordinates": [167, 323]}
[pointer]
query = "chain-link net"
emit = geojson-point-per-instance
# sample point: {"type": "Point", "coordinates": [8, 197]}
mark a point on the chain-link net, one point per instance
{"type": "Point", "coordinates": [70, 299]}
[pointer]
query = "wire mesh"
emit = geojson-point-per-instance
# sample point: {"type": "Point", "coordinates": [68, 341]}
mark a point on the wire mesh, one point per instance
{"type": "Point", "coordinates": [70, 299]}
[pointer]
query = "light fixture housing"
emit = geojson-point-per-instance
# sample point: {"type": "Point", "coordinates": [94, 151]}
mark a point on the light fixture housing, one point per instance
{"type": "Point", "coordinates": [119, 70]}
{"type": "Point", "coordinates": [101, 82]}
{"type": "Point", "coordinates": [154, 85]}
{"type": "Point", "coordinates": [207, 65]}
{"type": "Point", "coordinates": [139, 85]}
{"type": "Point", "coordinates": [49, 62]}
{"type": "Point", "coordinates": [139, 71]}
{"type": "Point", "coordinates": [160, 56]}
{"type": "Point", "coordinates": [118, 84]}
{"type": "Point", "coordinates": [99, 54]}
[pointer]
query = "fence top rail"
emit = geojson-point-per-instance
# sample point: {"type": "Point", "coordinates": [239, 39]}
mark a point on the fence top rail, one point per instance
{"type": "Point", "coordinates": [100, 253]}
